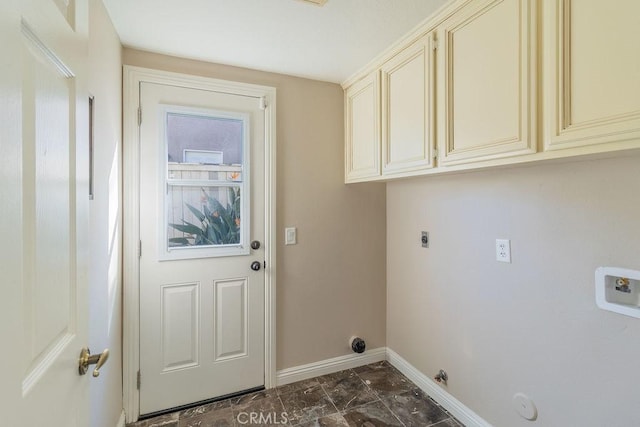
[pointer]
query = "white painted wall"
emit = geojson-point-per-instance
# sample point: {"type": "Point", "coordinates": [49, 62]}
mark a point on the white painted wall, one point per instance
{"type": "Point", "coordinates": [531, 326]}
{"type": "Point", "coordinates": [105, 288]}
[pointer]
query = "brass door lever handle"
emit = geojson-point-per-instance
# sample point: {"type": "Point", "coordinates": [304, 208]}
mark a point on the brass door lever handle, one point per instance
{"type": "Point", "coordinates": [86, 359]}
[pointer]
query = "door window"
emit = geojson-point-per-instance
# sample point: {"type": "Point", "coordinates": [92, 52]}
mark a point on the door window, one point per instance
{"type": "Point", "coordinates": [205, 179]}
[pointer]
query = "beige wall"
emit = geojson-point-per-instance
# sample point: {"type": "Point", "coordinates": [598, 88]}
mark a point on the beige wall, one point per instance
{"type": "Point", "coordinates": [531, 326]}
{"type": "Point", "coordinates": [105, 290]}
{"type": "Point", "coordinates": [332, 283]}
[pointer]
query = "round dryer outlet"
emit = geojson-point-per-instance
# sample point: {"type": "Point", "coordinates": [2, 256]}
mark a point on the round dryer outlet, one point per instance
{"type": "Point", "coordinates": [525, 406]}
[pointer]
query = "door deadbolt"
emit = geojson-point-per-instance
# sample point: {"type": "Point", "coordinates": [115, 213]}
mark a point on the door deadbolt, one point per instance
{"type": "Point", "coordinates": [255, 265]}
{"type": "Point", "coordinates": [255, 244]}
{"type": "Point", "coordinates": [86, 359]}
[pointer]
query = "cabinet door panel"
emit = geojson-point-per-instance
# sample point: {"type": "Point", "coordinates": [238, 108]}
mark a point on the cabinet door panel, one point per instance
{"type": "Point", "coordinates": [362, 129]}
{"type": "Point", "coordinates": [487, 106]}
{"type": "Point", "coordinates": [593, 82]}
{"type": "Point", "coordinates": [407, 110]}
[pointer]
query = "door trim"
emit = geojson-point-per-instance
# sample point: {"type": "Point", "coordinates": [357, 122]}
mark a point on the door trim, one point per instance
{"type": "Point", "coordinates": [132, 78]}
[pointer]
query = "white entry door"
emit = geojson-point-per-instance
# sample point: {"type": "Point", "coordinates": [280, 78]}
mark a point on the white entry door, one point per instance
{"type": "Point", "coordinates": [202, 249]}
{"type": "Point", "coordinates": [43, 206]}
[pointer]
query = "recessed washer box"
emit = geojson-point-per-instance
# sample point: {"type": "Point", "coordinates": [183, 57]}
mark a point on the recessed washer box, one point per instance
{"type": "Point", "coordinates": [618, 290]}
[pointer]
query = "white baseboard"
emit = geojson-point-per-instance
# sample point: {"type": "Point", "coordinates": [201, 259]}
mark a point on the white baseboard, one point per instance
{"type": "Point", "coordinates": [437, 393]}
{"type": "Point", "coordinates": [121, 421]}
{"type": "Point", "coordinates": [329, 366]}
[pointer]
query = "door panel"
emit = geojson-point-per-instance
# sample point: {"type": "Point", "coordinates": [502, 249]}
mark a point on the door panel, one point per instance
{"type": "Point", "coordinates": [201, 204]}
{"type": "Point", "coordinates": [179, 326]}
{"type": "Point", "coordinates": [49, 282]}
{"type": "Point", "coordinates": [231, 318]}
{"type": "Point", "coordinates": [45, 120]}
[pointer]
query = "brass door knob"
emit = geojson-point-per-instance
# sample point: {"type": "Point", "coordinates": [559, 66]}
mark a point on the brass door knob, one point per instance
{"type": "Point", "coordinates": [86, 359]}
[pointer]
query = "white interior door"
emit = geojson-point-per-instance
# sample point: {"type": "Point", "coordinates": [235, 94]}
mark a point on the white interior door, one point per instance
{"type": "Point", "coordinates": [201, 207]}
{"type": "Point", "coordinates": [44, 212]}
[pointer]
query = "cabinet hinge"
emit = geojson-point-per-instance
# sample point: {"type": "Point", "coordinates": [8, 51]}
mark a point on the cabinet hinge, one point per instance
{"type": "Point", "coordinates": [139, 116]}
{"type": "Point", "coordinates": [139, 248]}
{"type": "Point", "coordinates": [434, 44]}
{"type": "Point", "coordinates": [264, 264]}
{"type": "Point", "coordinates": [263, 103]}
{"type": "Point", "coordinates": [138, 380]}
{"type": "Point", "coordinates": [435, 153]}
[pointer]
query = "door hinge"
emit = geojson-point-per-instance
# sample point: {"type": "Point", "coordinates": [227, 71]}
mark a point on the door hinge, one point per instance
{"type": "Point", "coordinates": [139, 116]}
{"type": "Point", "coordinates": [263, 103]}
{"type": "Point", "coordinates": [138, 380]}
{"type": "Point", "coordinates": [434, 44]}
{"type": "Point", "coordinates": [139, 248]}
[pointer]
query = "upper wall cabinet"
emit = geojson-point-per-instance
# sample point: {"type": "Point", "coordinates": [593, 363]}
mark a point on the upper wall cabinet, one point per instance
{"type": "Point", "coordinates": [362, 129]}
{"type": "Point", "coordinates": [487, 81]}
{"type": "Point", "coordinates": [592, 72]}
{"type": "Point", "coordinates": [408, 109]}
{"type": "Point", "coordinates": [467, 83]}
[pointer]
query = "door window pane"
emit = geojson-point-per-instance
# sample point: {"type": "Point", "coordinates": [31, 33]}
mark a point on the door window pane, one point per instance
{"type": "Point", "coordinates": [205, 200]}
{"type": "Point", "coordinates": [203, 139]}
{"type": "Point", "coordinates": [204, 216]}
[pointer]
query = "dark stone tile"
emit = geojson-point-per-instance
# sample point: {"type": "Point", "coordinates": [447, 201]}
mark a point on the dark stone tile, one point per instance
{"type": "Point", "coordinates": [346, 398]}
{"type": "Point", "coordinates": [271, 404]}
{"type": "Point", "coordinates": [297, 386]}
{"type": "Point", "coordinates": [170, 420]}
{"type": "Point", "coordinates": [371, 415]}
{"type": "Point", "coordinates": [415, 410]}
{"type": "Point", "coordinates": [199, 410]}
{"type": "Point", "coordinates": [349, 392]}
{"type": "Point", "coordinates": [449, 422]}
{"type": "Point", "coordinates": [372, 367]}
{"type": "Point", "coordinates": [307, 404]}
{"type": "Point", "coordinates": [267, 411]}
{"type": "Point", "coordinates": [386, 381]}
{"type": "Point", "coordinates": [334, 420]}
{"type": "Point", "coordinates": [215, 418]}
{"type": "Point", "coordinates": [332, 379]}
{"type": "Point", "coordinates": [253, 396]}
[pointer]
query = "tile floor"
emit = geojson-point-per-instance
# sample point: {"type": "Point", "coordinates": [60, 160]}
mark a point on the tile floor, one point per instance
{"type": "Point", "coordinates": [374, 395]}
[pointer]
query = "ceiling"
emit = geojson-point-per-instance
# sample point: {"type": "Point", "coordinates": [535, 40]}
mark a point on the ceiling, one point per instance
{"type": "Point", "coordinates": [329, 42]}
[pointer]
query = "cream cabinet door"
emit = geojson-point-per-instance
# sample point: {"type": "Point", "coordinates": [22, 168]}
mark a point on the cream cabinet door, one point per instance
{"type": "Point", "coordinates": [362, 129]}
{"type": "Point", "coordinates": [408, 109]}
{"type": "Point", "coordinates": [487, 81]}
{"type": "Point", "coordinates": [592, 72]}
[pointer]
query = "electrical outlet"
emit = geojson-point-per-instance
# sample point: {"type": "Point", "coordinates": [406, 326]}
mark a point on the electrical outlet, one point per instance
{"type": "Point", "coordinates": [503, 250]}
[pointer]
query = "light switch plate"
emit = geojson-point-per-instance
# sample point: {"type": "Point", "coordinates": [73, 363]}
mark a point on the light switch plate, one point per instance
{"type": "Point", "coordinates": [290, 236]}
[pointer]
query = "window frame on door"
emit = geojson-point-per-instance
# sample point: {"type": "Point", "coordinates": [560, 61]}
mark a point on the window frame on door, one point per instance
{"type": "Point", "coordinates": [166, 253]}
